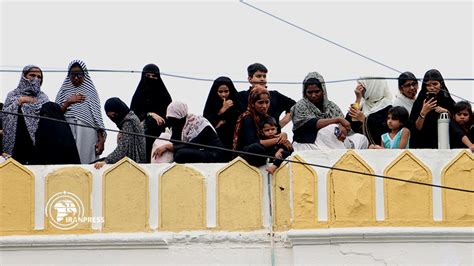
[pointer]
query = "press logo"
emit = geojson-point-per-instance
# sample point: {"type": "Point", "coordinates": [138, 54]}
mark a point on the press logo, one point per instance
{"type": "Point", "coordinates": [66, 211]}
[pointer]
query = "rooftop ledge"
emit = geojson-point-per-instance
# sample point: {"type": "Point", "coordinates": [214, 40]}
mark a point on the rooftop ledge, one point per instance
{"type": "Point", "coordinates": [257, 239]}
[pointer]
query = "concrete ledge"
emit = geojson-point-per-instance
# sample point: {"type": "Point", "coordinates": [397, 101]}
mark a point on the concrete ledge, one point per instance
{"type": "Point", "coordinates": [153, 240]}
{"type": "Point", "coordinates": [91, 241]}
{"type": "Point", "coordinates": [380, 235]}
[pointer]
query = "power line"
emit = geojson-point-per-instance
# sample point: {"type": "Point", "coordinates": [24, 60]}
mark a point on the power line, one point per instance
{"type": "Point", "coordinates": [242, 81]}
{"type": "Point", "coordinates": [320, 37]}
{"type": "Point", "coordinates": [244, 153]}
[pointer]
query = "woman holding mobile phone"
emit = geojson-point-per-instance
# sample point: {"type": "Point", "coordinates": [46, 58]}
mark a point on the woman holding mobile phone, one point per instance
{"type": "Point", "coordinates": [433, 99]}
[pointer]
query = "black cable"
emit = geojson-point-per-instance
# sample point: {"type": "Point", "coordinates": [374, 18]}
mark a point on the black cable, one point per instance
{"type": "Point", "coordinates": [243, 81]}
{"type": "Point", "coordinates": [243, 152]}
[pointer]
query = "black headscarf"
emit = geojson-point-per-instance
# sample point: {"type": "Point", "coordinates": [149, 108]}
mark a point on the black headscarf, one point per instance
{"type": "Point", "coordinates": [214, 102]}
{"type": "Point", "coordinates": [151, 95]}
{"type": "Point", "coordinates": [427, 137]}
{"type": "Point", "coordinates": [118, 106]}
{"type": "Point", "coordinates": [54, 140]}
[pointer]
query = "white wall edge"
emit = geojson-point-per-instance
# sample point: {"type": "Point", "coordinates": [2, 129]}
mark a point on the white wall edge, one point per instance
{"type": "Point", "coordinates": [153, 240]}
{"type": "Point", "coordinates": [93, 241]}
{"type": "Point", "coordinates": [380, 235]}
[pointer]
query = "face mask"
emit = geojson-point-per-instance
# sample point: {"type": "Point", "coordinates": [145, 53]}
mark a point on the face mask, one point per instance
{"type": "Point", "coordinates": [30, 86]}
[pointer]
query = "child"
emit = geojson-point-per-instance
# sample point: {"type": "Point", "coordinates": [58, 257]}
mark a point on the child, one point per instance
{"type": "Point", "coordinates": [399, 135]}
{"type": "Point", "coordinates": [279, 103]}
{"type": "Point", "coordinates": [461, 127]}
{"type": "Point", "coordinates": [281, 149]}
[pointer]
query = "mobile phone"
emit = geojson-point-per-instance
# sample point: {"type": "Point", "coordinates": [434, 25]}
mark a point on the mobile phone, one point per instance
{"type": "Point", "coordinates": [430, 95]}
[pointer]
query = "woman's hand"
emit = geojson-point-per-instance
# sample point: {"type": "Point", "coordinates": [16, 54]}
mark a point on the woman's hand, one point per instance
{"type": "Point", "coordinates": [345, 123]}
{"type": "Point", "coordinates": [282, 137]}
{"type": "Point", "coordinates": [440, 110]}
{"type": "Point", "coordinates": [375, 146]}
{"type": "Point", "coordinates": [99, 146]}
{"type": "Point", "coordinates": [76, 98]}
{"type": "Point", "coordinates": [279, 154]}
{"type": "Point", "coordinates": [359, 91]}
{"type": "Point", "coordinates": [356, 114]}
{"type": "Point", "coordinates": [99, 165]}
{"type": "Point", "coordinates": [160, 150]}
{"type": "Point", "coordinates": [220, 123]}
{"type": "Point", "coordinates": [225, 106]}
{"type": "Point", "coordinates": [428, 105]}
{"type": "Point", "coordinates": [26, 99]}
{"type": "Point", "coordinates": [159, 120]}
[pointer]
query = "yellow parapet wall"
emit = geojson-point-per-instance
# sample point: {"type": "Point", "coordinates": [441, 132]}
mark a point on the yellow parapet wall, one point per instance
{"type": "Point", "coordinates": [407, 201]}
{"type": "Point", "coordinates": [17, 198]}
{"type": "Point", "coordinates": [459, 173]}
{"type": "Point", "coordinates": [352, 196]}
{"type": "Point", "coordinates": [182, 199]}
{"type": "Point", "coordinates": [125, 198]}
{"type": "Point", "coordinates": [239, 197]}
{"type": "Point", "coordinates": [234, 197]}
{"type": "Point", "coordinates": [74, 180]}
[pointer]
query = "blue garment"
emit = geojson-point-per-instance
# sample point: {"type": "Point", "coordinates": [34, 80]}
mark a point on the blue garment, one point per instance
{"type": "Point", "coordinates": [389, 143]}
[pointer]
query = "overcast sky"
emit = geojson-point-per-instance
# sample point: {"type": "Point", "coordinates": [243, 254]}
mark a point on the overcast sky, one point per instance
{"type": "Point", "coordinates": [211, 39]}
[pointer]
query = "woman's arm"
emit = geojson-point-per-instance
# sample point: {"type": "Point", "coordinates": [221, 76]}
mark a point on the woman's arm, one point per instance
{"type": "Point", "coordinates": [427, 107]}
{"type": "Point", "coordinates": [123, 144]}
{"type": "Point", "coordinates": [328, 121]}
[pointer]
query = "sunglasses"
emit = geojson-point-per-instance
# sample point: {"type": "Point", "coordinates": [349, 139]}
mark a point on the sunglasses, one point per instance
{"type": "Point", "coordinates": [410, 85]}
{"type": "Point", "coordinates": [76, 75]}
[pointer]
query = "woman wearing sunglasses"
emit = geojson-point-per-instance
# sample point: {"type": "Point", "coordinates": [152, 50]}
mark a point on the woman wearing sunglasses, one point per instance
{"type": "Point", "coordinates": [80, 103]}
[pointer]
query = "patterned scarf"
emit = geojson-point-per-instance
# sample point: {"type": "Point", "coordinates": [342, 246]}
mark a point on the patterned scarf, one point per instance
{"type": "Point", "coordinates": [194, 123]}
{"type": "Point", "coordinates": [253, 97]}
{"type": "Point", "coordinates": [304, 110]}
{"type": "Point", "coordinates": [25, 88]}
{"type": "Point", "coordinates": [88, 111]}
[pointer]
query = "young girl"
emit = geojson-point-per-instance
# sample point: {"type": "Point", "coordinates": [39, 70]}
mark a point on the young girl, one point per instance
{"type": "Point", "coordinates": [399, 135]}
{"type": "Point", "coordinates": [281, 149]}
{"type": "Point", "coordinates": [461, 127]}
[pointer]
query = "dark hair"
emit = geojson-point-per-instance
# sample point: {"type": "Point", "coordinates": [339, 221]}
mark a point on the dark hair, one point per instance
{"type": "Point", "coordinates": [268, 120]}
{"type": "Point", "coordinates": [404, 77]}
{"type": "Point", "coordinates": [74, 65]}
{"type": "Point", "coordinates": [399, 113]}
{"type": "Point", "coordinates": [312, 81]}
{"type": "Point", "coordinates": [256, 67]}
{"type": "Point", "coordinates": [461, 106]}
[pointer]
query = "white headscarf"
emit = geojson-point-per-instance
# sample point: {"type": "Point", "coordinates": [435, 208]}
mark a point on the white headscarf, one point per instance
{"type": "Point", "coordinates": [404, 101]}
{"type": "Point", "coordinates": [194, 123]}
{"type": "Point", "coordinates": [377, 95]}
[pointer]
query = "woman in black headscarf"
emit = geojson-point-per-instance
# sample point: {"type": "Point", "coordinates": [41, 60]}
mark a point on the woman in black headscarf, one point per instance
{"type": "Point", "coordinates": [222, 109]}
{"type": "Point", "coordinates": [54, 140]}
{"type": "Point", "coordinates": [128, 145]}
{"type": "Point", "coordinates": [149, 103]}
{"type": "Point", "coordinates": [433, 99]}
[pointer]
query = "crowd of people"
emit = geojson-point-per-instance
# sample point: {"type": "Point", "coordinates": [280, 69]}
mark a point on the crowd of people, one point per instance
{"type": "Point", "coordinates": [70, 130]}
